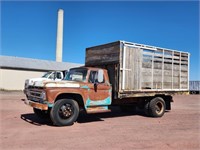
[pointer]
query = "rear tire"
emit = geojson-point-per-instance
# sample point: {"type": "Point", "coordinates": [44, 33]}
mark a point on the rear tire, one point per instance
{"type": "Point", "coordinates": [64, 112]}
{"type": "Point", "coordinates": [157, 107]}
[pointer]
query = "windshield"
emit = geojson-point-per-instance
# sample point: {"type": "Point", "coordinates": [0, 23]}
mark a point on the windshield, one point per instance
{"type": "Point", "coordinates": [76, 75]}
{"type": "Point", "coordinates": [46, 75]}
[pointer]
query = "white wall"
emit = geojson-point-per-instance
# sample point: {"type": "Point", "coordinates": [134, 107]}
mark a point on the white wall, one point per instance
{"type": "Point", "coordinates": [15, 79]}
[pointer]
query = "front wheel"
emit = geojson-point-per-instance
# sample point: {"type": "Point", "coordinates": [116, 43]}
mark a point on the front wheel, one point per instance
{"type": "Point", "coordinates": [64, 112]}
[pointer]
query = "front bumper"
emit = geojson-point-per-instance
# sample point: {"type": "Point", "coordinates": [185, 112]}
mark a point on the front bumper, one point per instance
{"type": "Point", "coordinates": [36, 105]}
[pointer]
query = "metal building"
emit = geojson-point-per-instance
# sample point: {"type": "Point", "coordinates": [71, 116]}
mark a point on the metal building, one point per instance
{"type": "Point", "coordinates": [15, 70]}
{"type": "Point", "coordinates": [194, 87]}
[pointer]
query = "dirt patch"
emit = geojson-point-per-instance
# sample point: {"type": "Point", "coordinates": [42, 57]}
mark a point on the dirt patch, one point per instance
{"type": "Point", "coordinates": [177, 129]}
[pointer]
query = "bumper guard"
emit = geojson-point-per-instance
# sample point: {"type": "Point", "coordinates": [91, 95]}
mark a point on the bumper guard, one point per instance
{"type": "Point", "coordinates": [35, 104]}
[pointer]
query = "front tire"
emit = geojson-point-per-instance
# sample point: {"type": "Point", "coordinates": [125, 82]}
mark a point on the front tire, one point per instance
{"type": "Point", "coordinates": [64, 112]}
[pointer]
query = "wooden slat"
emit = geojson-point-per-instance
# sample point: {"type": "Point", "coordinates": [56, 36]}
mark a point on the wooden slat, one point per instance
{"type": "Point", "coordinates": [102, 55]}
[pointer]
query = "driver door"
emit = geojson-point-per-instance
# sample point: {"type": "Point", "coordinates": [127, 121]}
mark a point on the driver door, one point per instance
{"type": "Point", "coordinates": [99, 93]}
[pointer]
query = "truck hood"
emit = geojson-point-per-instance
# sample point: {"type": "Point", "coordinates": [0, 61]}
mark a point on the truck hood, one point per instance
{"type": "Point", "coordinates": [31, 82]}
{"type": "Point", "coordinates": [62, 83]}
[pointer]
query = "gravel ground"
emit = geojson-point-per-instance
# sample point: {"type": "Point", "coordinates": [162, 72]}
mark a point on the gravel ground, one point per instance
{"type": "Point", "coordinates": [178, 129]}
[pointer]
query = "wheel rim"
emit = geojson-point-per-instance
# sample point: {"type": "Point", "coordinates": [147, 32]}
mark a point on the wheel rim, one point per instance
{"type": "Point", "coordinates": [66, 111]}
{"type": "Point", "coordinates": [159, 108]}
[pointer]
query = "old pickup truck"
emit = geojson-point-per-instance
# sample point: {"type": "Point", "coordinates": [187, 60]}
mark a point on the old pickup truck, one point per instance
{"type": "Point", "coordinates": [48, 76]}
{"type": "Point", "coordinates": [119, 73]}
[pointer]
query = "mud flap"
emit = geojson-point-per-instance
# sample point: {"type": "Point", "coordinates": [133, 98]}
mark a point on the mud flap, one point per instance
{"type": "Point", "coordinates": [168, 105]}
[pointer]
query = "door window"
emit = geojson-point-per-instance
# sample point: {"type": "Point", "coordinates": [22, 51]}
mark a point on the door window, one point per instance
{"type": "Point", "coordinates": [93, 78]}
{"type": "Point", "coordinates": [58, 75]}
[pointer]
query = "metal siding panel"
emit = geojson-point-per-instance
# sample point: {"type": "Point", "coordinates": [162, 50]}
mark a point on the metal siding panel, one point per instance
{"type": "Point", "coordinates": [34, 64]}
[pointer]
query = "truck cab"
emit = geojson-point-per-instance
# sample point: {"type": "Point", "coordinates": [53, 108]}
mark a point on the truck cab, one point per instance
{"type": "Point", "coordinates": [83, 88]}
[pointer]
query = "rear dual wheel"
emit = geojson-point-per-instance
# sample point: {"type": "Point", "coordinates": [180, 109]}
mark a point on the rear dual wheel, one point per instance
{"type": "Point", "coordinates": [155, 108]}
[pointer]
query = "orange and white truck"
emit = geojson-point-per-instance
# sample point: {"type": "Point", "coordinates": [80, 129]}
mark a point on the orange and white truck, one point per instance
{"type": "Point", "coordinates": [119, 73]}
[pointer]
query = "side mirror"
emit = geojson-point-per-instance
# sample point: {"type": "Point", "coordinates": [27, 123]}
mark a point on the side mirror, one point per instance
{"type": "Point", "coordinates": [100, 75]}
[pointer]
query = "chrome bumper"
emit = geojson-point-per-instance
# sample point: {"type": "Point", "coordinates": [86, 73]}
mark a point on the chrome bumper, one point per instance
{"type": "Point", "coordinates": [36, 105]}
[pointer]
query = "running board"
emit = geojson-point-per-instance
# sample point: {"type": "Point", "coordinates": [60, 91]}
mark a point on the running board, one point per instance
{"type": "Point", "coordinates": [97, 109]}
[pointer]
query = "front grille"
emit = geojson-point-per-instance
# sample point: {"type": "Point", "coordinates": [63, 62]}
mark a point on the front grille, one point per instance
{"type": "Point", "coordinates": [34, 87]}
{"type": "Point", "coordinates": [35, 96]}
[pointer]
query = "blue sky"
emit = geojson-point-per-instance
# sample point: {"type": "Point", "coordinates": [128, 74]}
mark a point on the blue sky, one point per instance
{"type": "Point", "coordinates": [28, 29]}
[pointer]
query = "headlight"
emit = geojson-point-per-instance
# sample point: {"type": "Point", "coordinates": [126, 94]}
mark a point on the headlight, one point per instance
{"type": "Point", "coordinates": [43, 96]}
{"type": "Point", "coordinates": [26, 84]}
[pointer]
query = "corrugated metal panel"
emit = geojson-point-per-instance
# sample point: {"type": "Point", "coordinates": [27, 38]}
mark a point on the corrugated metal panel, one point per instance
{"type": "Point", "coordinates": [34, 64]}
{"type": "Point", "coordinates": [194, 85]}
